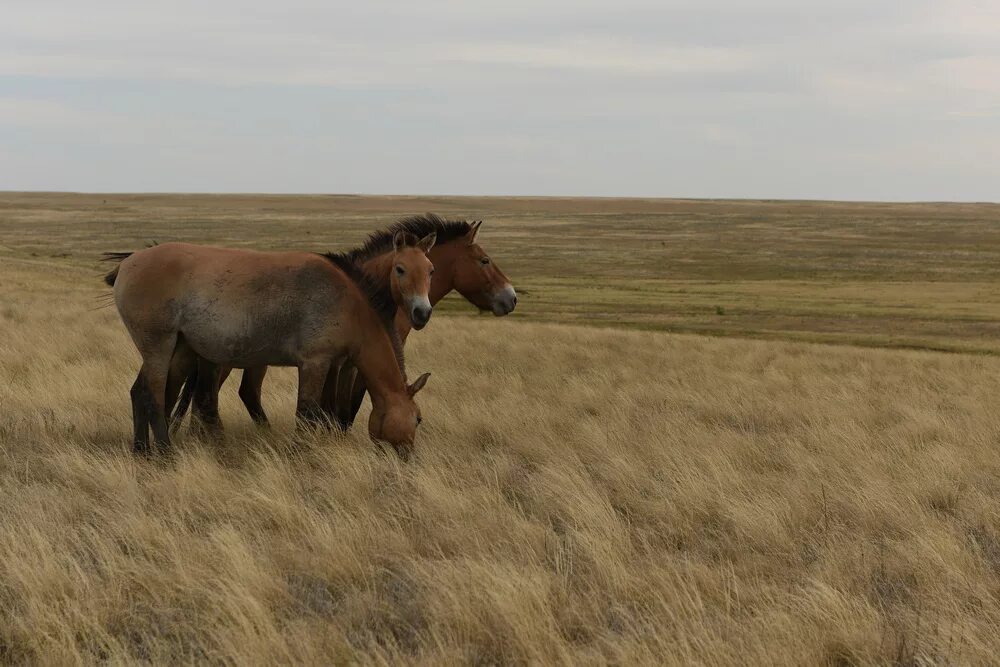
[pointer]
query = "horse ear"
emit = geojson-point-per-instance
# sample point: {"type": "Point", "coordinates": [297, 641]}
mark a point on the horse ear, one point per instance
{"type": "Point", "coordinates": [427, 242]}
{"type": "Point", "coordinates": [472, 232]}
{"type": "Point", "coordinates": [418, 384]}
{"type": "Point", "coordinates": [402, 240]}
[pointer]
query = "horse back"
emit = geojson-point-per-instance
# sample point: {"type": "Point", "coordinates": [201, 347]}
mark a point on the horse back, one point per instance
{"type": "Point", "coordinates": [235, 306]}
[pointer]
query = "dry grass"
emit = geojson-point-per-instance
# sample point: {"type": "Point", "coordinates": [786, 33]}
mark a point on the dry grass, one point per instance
{"type": "Point", "coordinates": [578, 496]}
{"type": "Point", "coordinates": [889, 275]}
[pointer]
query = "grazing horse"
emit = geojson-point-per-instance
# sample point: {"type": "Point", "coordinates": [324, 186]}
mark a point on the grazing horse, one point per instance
{"type": "Point", "coordinates": [460, 264]}
{"type": "Point", "coordinates": [398, 266]}
{"type": "Point", "coordinates": [244, 308]}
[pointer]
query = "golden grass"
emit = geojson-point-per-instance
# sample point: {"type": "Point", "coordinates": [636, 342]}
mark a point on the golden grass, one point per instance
{"type": "Point", "coordinates": [578, 496]}
{"type": "Point", "coordinates": [886, 275]}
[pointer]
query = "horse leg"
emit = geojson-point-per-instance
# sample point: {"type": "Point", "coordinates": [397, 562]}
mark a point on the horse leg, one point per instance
{"type": "Point", "coordinates": [206, 398]}
{"type": "Point", "coordinates": [344, 385]}
{"type": "Point", "coordinates": [312, 375]}
{"type": "Point", "coordinates": [188, 397]}
{"type": "Point", "coordinates": [180, 380]}
{"type": "Point", "coordinates": [355, 397]}
{"type": "Point", "coordinates": [253, 380]}
{"type": "Point", "coordinates": [140, 415]}
{"type": "Point", "coordinates": [156, 356]}
{"type": "Point", "coordinates": [330, 389]}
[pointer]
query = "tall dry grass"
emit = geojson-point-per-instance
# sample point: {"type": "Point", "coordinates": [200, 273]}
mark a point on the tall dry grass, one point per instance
{"type": "Point", "coordinates": [578, 496]}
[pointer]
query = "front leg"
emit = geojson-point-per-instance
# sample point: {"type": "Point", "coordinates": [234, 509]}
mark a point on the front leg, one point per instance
{"type": "Point", "coordinates": [345, 385]}
{"type": "Point", "coordinates": [330, 388]}
{"type": "Point", "coordinates": [312, 376]}
{"type": "Point", "coordinates": [355, 398]}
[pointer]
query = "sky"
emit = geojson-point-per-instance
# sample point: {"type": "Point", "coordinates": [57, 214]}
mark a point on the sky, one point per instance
{"type": "Point", "coordinates": [795, 99]}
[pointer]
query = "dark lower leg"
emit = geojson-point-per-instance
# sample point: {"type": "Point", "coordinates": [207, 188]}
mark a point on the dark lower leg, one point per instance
{"type": "Point", "coordinates": [345, 381]}
{"type": "Point", "coordinates": [206, 397]}
{"type": "Point", "coordinates": [140, 416]}
{"type": "Point", "coordinates": [356, 397]}
{"type": "Point", "coordinates": [308, 410]}
{"type": "Point", "coordinates": [180, 384]}
{"type": "Point", "coordinates": [250, 386]}
{"type": "Point", "coordinates": [309, 414]}
{"type": "Point", "coordinates": [329, 400]}
{"type": "Point", "coordinates": [156, 393]}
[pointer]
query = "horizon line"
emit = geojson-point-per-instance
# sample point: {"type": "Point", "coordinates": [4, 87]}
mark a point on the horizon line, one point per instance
{"type": "Point", "coordinates": [804, 200]}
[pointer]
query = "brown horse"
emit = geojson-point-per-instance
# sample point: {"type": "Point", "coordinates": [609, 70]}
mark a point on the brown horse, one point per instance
{"type": "Point", "coordinates": [460, 264]}
{"type": "Point", "coordinates": [243, 308]}
{"type": "Point", "coordinates": [395, 262]}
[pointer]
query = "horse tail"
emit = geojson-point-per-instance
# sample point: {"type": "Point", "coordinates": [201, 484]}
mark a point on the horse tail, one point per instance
{"type": "Point", "coordinates": [110, 278]}
{"type": "Point", "coordinates": [119, 257]}
{"type": "Point", "coordinates": [184, 400]}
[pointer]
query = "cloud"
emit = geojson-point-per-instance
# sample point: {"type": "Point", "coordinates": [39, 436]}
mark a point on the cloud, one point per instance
{"type": "Point", "coordinates": [671, 97]}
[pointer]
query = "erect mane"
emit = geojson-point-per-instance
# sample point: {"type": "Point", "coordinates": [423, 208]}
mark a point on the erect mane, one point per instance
{"type": "Point", "coordinates": [379, 296]}
{"type": "Point", "coordinates": [419, 225]}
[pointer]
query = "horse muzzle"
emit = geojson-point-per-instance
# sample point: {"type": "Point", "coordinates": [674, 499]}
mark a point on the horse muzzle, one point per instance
{"type": "Point", "coordinates": [420, 315]}
{"type": "Point", "coordinates": [504, 301]}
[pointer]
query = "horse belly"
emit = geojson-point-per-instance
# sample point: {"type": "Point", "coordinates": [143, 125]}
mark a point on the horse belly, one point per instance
{"type": "Point", "coordinates": [253, 325]}
{"type": "Point", "coordinates": [251, 335]}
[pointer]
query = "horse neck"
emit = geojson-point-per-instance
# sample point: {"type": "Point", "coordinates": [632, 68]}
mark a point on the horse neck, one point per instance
{"type": "Point", "coordinates": [442, 256]}
{"type": "Point", "coordinates": [379, 269]}
{"type": "Point", "coordinates": [376, 361]}
{"type": "Point", "coordinates": [402, 324]}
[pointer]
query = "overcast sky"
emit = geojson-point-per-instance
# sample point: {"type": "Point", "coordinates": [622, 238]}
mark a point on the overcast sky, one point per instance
{"type": "Point", "coordinates": [840, 99]}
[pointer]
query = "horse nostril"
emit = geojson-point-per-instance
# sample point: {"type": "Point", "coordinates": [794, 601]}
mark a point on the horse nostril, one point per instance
{"type": "Point", "coordinates": [421, 314]}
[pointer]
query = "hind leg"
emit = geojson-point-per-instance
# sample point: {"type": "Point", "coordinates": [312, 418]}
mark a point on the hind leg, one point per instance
{"type": "Point", "coordinates": [208, 381]}
{"type": "Point", "coordinates": [206, 398]}
{"type": "Point", "coordinates": [140, 415]}
{"type": "Point", "coordinates": [157, 353]}
{"type": "Point", "coordinates": [253, 380]}
{"type": "Point", "coordinates": [182, 365]}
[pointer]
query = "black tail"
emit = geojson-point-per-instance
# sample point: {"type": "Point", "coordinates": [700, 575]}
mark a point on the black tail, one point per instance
{"type": "Point", "coordinates": [117, 257]}
{"type": "Point", "coordinates": [113, 257]}
{"type": "Point", "coordinates": [184, 400]}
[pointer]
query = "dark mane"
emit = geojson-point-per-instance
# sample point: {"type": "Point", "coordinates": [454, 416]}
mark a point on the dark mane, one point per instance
{"type": "Point", "coordinates": [378, 293]}
{"type": "Point", "coordinates": [419, 225]}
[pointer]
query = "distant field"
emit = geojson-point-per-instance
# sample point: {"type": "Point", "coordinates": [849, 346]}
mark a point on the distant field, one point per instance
{"type": "Point", "coordinates": [904, 275]}
{"type": "Point", "coordinates": [578, 495]}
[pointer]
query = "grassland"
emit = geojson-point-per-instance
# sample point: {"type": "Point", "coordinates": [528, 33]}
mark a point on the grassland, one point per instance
{"type": "Point", "coordinates": [579, 494]}
{"type": "Point", "coordinates": [898, 275]}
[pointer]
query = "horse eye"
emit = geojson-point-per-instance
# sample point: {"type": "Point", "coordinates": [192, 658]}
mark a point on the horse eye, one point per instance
{"type": "Point", "coordinates": [432, 270]}
{"type": "Point", "coordinates": [400, 270]}
{"type": "Point", "coordinates": [484, 261]}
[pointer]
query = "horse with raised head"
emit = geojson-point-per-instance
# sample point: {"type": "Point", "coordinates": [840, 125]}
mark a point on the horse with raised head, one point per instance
{"type": "Point", "coordinates": [460, 264]}
{"type": "Point", "coordinates": [246, 309]}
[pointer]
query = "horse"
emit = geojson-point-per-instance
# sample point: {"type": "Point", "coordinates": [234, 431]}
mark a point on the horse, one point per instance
{"type": "Point", "coordinates": [460, 264]}
{"type": "Point", "coordinates": [245, 308]}
{"type": "Point", "coordinates": [397, 264]}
